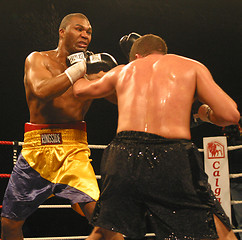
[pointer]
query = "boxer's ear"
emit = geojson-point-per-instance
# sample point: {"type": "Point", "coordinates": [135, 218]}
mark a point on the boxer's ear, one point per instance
{"type": "Point", "coordinates": [61, 32]}
{"type": "Point", "coordinates": [138, 56]}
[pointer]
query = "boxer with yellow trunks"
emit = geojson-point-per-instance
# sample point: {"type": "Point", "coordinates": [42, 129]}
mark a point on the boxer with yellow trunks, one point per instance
{"type": "Point", "coordinates": [55, 159]}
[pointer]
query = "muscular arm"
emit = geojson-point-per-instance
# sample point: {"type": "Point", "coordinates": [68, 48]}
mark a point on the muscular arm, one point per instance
{"type": "Point", "coordinates": [223, 109]}
{"type": "Point", "coordinates": [39, 80]}
{"type": "Point", "coordinates": [101, 87]}
{"type": "Point", "coordinates": [113, 96]}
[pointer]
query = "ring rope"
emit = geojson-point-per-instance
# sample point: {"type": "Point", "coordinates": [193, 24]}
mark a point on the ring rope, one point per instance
{"type": "Point", "coordinates": [234, 202]}
{"type": "Point", "coordinates": [84, 237]}
{"type": "Point", "coordinates": [234, 175]}
{"type": "Point", "coordinates": [104, 146]}
{"type": "Point", "coordinates": [237, 175]}
{"type": "Point", "coordinates": [55, 206]}
{"type": "Point", "coordinates": [6, 142]}
{"type": "Point", "coordinates": [21, 144]}
{"type": "Point", "coordinates": [5, 175]}
{"type": "Point", "coordinates": [45, 206]}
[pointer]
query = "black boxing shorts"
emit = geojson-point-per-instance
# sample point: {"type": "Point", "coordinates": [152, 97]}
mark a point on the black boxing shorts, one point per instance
{"type": "Point", "coordinates": [146, 176]}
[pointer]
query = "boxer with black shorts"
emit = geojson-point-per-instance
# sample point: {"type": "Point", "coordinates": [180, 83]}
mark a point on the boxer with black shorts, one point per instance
{"type": "Point", "coordinates": [55, 156]}
{"type": "Point", "coordinates": [152, 167]}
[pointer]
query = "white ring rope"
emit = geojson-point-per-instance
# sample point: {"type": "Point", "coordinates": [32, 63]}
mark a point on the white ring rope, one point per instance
{"type": "Point", "coordinates": [90, 146]}
{"type": "Point", "coordinates": [55, 206]}
{"type": "Point", "coordinates": [230, 148]}
{"type": "Point", "coordinates": [234, 202]}
{"type": "Point", "coordinates": [84, 237]}
{"type": "Point", "coordinates": [99, 146]}
{"type": "Point", "coordinates": [235, 175]}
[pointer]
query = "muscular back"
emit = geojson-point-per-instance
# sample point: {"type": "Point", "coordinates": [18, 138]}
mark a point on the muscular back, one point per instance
{"type": "Point", "coordinates": [49, 95]}
{"type": "Point", "coordinates": [155, 95]}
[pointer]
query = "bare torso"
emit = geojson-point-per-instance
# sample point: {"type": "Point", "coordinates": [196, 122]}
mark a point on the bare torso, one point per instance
{"type": "Point", "coordinates": [155, 95]}
{"type": "Point", "coordinates": [159, 99]}
{"type": "Point", "coordinates": [60, 109]}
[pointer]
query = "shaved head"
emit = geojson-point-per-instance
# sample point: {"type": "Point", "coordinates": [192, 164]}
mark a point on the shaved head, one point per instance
{"type": "Point", "coordinates": [66, 20]}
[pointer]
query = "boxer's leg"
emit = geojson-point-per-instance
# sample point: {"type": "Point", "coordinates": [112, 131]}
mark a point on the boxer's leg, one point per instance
{"type": "Point", "coordinates": [223, 232]}
{"type": "Point", "coordinates": [11, 229]}
{"type": "Point", "coordinates": [98, 233]}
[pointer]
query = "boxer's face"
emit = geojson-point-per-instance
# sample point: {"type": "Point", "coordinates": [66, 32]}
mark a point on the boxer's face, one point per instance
{"type": "Point", "coordinates": [78, 35]}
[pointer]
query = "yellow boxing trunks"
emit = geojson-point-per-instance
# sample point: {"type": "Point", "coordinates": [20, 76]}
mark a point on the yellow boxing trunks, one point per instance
{"type": "Point", "coordinates": [61, 156]}
{"type": "Point", "coordinates": [54, 160]}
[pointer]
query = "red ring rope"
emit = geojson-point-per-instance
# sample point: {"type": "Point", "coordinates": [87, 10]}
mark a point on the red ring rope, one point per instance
{"type": "Point", "coordinates": [4, 175]}
{"type": "Point", "coordinates": [7, 142]}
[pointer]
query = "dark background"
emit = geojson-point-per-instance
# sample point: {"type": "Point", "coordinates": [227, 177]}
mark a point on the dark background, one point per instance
{"type": "Point", "coordinates": [206, 30]}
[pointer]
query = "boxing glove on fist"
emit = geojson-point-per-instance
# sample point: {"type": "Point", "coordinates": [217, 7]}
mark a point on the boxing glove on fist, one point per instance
{"type": "Point", "coordinates": [195, 120]}
{"type": "Point", "coordinates": [127, 41]}
{"type": "Point", "coordinates": [77, 69]}
{"type": "Point", "coordinates": [100, 62]}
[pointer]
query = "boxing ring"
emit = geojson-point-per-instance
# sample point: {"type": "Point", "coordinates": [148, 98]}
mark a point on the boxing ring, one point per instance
{"type": "Point", "coordinates": [16, 147]}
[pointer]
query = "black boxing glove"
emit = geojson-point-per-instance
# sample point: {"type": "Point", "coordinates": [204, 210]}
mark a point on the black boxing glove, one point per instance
{"type": "Point", "coordinates": [77, 69]}
{"type": "Point", "coordinates": [195, 121]}
{"type": "Point", "coordinates": [127, 41]}
{"type": "Point", "coordinates": [88, 53]}
{"type": "Point", "coordinates": [100, 62]}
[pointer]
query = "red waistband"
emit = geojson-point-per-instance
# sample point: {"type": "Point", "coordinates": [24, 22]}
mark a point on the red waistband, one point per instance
{"type": "Point", "coordinates": [80, 125]}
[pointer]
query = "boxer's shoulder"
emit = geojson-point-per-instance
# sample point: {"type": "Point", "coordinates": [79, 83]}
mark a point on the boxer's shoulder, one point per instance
{"type": "Point", "coordinates": [44, 57]}
{"type": "Point", "coordinates": [44, 54]}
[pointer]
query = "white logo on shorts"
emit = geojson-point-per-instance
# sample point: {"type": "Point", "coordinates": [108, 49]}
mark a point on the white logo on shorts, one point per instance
{"type": "Point", "coordinates": [51, 138]}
